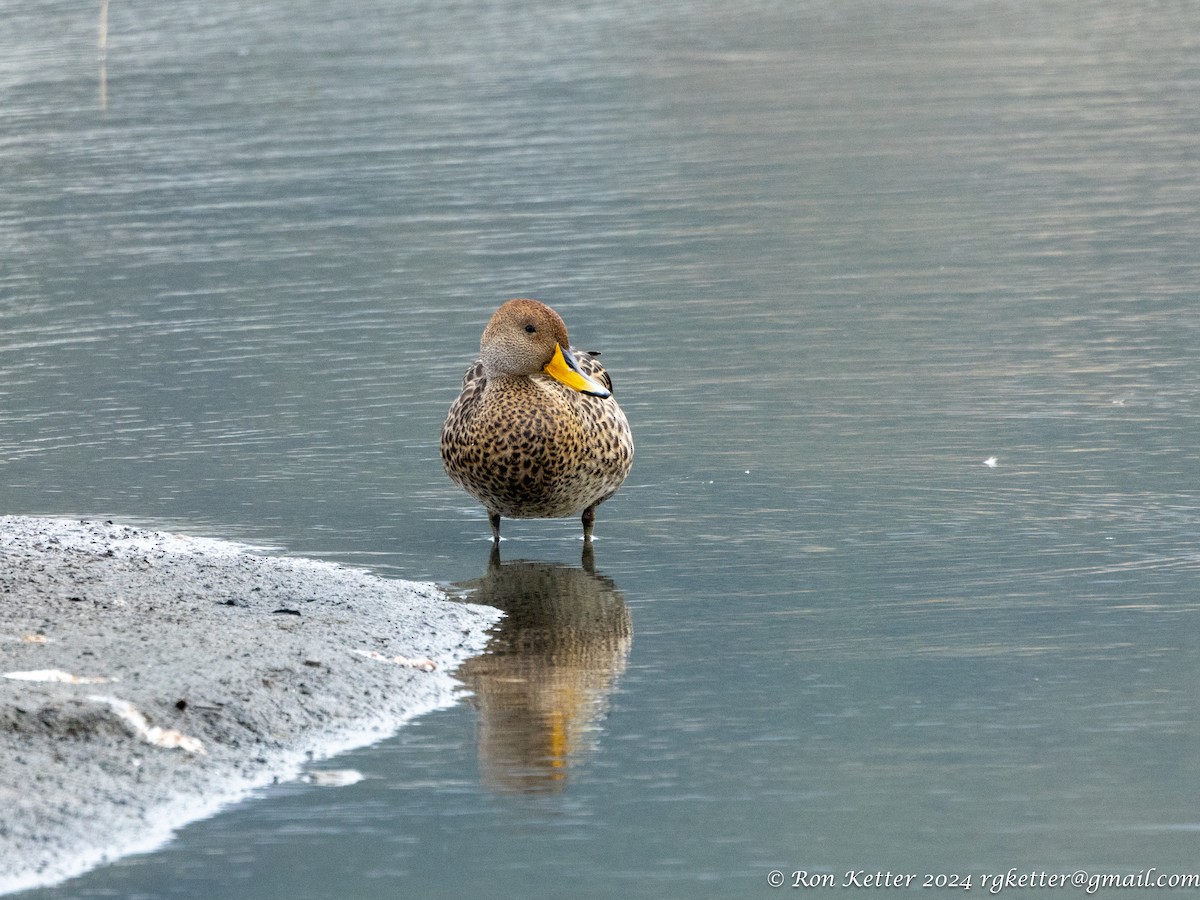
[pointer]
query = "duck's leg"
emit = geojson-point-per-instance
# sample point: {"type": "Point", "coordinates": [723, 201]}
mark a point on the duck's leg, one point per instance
{"type": "Point", "coordinates": [494, 518]}
{"type": "Point", "coordinates": [589, 522]}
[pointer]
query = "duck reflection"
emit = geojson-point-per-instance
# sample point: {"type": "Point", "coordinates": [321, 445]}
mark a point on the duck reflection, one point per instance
{"type": "Point", "coordinates": [541, 687]}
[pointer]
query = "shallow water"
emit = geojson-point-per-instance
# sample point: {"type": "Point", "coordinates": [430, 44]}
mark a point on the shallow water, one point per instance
{"type": "Point", "coordinates": [836, 256]}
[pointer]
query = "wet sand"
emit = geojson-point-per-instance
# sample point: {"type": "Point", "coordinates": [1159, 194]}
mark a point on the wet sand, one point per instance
{"type": "Point", "coordinates": [148, 679]}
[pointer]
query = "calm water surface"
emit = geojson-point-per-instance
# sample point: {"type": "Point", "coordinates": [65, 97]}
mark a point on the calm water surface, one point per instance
{"type": "Point", "coordinates": [837, 255]}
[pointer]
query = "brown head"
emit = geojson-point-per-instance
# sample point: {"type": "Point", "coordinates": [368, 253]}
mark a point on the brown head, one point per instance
{"type": "Point", "coordinates": [525, 337]}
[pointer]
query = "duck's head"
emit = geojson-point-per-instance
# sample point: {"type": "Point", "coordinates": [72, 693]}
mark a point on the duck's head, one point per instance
{"type": "Point", "coordinates": [525, 337]}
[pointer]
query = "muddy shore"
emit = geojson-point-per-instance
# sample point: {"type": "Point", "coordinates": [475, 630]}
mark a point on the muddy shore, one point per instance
{"type": "Point", "coordinates": [148, 679]}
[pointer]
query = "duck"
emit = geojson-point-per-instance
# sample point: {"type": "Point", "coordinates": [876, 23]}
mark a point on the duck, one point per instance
{"type": "Point", "coordinates": [536, 431]}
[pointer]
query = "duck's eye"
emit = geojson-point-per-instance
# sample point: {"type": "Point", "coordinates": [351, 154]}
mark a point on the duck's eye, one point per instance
{"type": "Point", "coordinates": [529, 329]}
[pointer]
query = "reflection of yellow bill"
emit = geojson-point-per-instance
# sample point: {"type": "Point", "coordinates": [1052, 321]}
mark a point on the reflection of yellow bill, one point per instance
{"type": "Point", "coordinates": [563, 368]}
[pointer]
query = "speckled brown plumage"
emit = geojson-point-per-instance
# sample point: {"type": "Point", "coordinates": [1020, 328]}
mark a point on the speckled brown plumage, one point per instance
{"type": "Point", "coordinates": [525, 444]}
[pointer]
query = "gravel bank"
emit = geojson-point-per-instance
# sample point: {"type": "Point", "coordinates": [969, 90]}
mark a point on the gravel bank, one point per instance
{"type": "Point", "coordinates": [150, 679]}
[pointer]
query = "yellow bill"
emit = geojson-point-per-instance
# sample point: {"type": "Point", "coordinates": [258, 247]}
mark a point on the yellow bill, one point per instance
{"type": "Point", "coordinates": [565, 369]}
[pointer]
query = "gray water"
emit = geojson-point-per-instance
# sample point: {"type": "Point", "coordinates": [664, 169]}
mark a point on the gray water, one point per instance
{"type": "Point", "coordinates": [837, 254]}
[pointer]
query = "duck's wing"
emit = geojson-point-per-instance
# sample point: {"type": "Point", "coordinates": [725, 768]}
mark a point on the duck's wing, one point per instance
{"type": "Point", "coordinates": [473, 384]}
{"type": "Point", "coordinates": [590, 366]}
{"type": "Point", "coordinates": [474, 375]}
